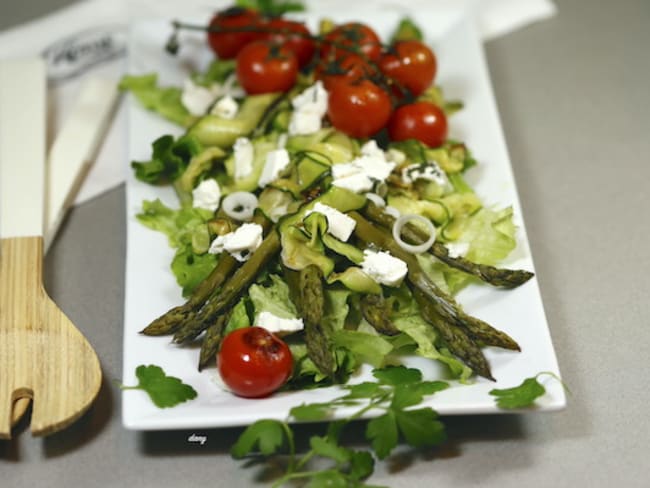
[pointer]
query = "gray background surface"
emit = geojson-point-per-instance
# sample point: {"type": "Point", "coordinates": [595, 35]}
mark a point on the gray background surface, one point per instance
{"type": "Point", "coordinates": [574, 98]}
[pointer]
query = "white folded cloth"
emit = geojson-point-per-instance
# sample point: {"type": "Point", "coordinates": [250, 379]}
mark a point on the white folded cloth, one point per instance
{"type": "Point", "coordinates": [89, 38]}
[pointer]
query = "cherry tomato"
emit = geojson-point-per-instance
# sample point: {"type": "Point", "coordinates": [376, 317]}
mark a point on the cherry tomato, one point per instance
{"type": "Point", "coordinates": [253, 362]}
{"type": "Point", "coordinates": [264, 67]}
{"type": "Point", "coordinates": [352, 36]}
{"type": "Point", "coordinates": [411, 64]}
{"type": "Point", "coordinates": [294, 35]}
{"type": "Point", "coordinates": [227, 44]}
{"type": "Point", "coordinates": [423, 121]}
{"type": "Point", "coordinates": [359, 108]}
{"type": "Point", "coordinates": [346, 68]}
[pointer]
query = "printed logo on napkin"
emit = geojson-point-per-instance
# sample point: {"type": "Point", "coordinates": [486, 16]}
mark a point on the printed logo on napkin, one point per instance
{"type": "Point", "coordinates": [75, 54]}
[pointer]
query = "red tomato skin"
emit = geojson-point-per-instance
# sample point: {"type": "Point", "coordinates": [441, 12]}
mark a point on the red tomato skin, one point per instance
{"type": "Point", "coordinates": [347, 68]}
{"type": "Point", "coordinates": [226, 45]}
{"type": "Point", "coordinates": [423, 121]}
{"type": "Point", "coordinates": [411, 64]}
{"type": "Point", "coordinates": [266, 68]}
{"type": "Point", "coordinates": [292, 34]}
{"type": "Point", "coordinates": [359, 109]}
{"type": "Point", "coordinates": [352, 35]}
{"type": "Point", "coordinates": [254, 362]}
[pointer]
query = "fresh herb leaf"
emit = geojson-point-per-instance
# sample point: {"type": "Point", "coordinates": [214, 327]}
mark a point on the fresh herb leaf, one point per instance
{"type": "Point", "coordinates": [407, 395]}
{"type": "Point", "coordinates": [164, 391]}
{"type": "Point", "coordinates": [310, 412]}
{"type": "Point", "coordinates": [382, 433]}
{"type": "Point", "coordinates": [520, 396]}
{"type": "Point", "coordinates": [330, 478]}
{"type": "Point", "coordinates": [323, 446]}
{"type": "Point", "coordinates": [397, 388]}
{"type": "Point", "coordinates": [397, 375]}
{"type": "Point", "coordinates": [420, 427]}
{"type": "Point", "coordinates": [265, 435]}
{"type": "Point", "coordinates": [362, 464]}
{"type": "Point", "coordinates": [366, 389]}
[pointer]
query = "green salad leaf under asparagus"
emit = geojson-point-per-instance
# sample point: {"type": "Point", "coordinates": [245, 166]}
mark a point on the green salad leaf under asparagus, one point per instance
{"type": "Point", "coordinates": [354, 246]}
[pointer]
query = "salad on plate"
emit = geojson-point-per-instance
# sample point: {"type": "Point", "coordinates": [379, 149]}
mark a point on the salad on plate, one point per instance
{"type": "Point", "coordinates": [324, 219]}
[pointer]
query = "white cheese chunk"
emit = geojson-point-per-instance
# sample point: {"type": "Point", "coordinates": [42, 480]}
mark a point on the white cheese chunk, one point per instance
{"type": "Point", "coordinates": [457, 249]}
{"type": "Point", "coordinates": [196, 98]}
{"type": "Point", "coordinates": [360, 174]}
{"type": "Point", "coordinates": [276, 161]}
{"type": "Point", "coordinates": [240, 243]}
{"type": "Point", "coordinates": [226, 108]}
{"type": "Point", "coordinates": [309, 108]}
{"type": "Point", "coordinates": [371, 148]}
{"type": "Point", "coordinates": [207, 195]}
{"type": "Point", "coordinates": [312, 99]}
{"type": "Point", "coordinates": [304, 123]}
{"type": "Point", "coordinates": [383, 267]}
{"type": "Point", "coordinates": [357, 183]}
{"type": "Point", "coordinates": [243, 152]}
{"type": "Point", "coordinates": [339, 224]}
{"type": "Point", "coordinates": [429, 171]}
{"type": "Point", "coordinates": [375, 167]}
{"type": "Point", "coordinates": [278, 325]}
{"type": "Point", "coordinates": [343, 170]}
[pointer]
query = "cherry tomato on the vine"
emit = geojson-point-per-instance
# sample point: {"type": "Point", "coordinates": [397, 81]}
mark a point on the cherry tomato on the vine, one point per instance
{"type": "Point", "coordinates": [253, 362]}
{"type": "Point", "coordinates": [423, 121]}
{"type": "Point", "coordinates": [264, 67]}
{"type": "Point", "coordinates": [227, 44]}
{"type": "Point", "coordinates": [411, 64]}
{"type": "Point", "coordinates": [292, 34]}
{"type": "Point", "coordinates": [350, 38]}
{"type": "Point", "coordinates": [345, 68]}
{"type": "Point", "coordinates": [359, 108]}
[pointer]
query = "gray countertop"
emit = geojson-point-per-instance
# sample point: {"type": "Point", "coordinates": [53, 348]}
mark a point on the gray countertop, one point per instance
{"type": "Point", "coordinates": [574, 99]}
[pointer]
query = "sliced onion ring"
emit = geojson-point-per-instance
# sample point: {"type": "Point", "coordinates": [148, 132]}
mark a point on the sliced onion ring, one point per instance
{"type": "Point", "coordinates": [376, 199]}
{"type": "Point", "coordinates": [418, 248]}
{"type": "Point", "coordinates": [240, 205]}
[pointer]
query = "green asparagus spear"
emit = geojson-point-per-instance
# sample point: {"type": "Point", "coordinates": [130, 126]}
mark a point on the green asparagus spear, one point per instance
{"type": "Point", "coordinates": [211, 340]}
{"type": "Point", "coordinates": [507, 278]}
{"type": "Point", "coordinates": [447, 310]}
{"type": "Point", "coordinates": [377, 312]}
{"type": "Point", "coordinates": [231, 290]}
{"type": "Point", "coordinates": [172, 320]}
{"type": "Point", "coordinates": [486, 334]}
{"type": "Point", "coordinates": [458, 342]}
{"type": "Point", "coordinates": [312, 303]}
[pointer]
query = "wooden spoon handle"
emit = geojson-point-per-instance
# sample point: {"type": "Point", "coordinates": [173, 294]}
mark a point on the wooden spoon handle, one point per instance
{"type": "Point", "coordinates": [22, 147]}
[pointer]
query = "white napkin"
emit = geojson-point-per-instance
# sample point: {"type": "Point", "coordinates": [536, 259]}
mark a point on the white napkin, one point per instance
{"type": "Point", "coordinates": [89, 39]}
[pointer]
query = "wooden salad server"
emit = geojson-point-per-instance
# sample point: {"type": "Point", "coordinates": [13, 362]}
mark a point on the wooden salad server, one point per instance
{"type": "Point", "coordinates": [43, 356]}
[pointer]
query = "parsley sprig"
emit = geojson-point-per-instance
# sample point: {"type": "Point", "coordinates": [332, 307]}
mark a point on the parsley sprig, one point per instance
{"type": "Point", "coordinates": [165, 391]}
{"type": "Point", "coordinates": [396, 390]}
{"type": "Point", "coordinates": [525, 394]}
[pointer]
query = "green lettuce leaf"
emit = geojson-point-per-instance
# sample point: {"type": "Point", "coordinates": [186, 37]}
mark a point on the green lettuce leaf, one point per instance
{"type": "Point", "coordinates": [169, 159]}
{"type": "Point", "coordinates": [491, 238]}
{"type": "Point", "coordinates": [238, 316]}
{"type": "Point", "coordinates": [164, 100]}
{"type": "Point", "coordinates": [217, 72]}
{"type": "Point", "coordinates": [409, 321]}
{"type": "Point", "coordinates": [191, 268]}
{"type": "Point", "coordinates": [366, 347]}
{"type": "Point", "coordinates": [180, 226]}
{"type": "Point", "coordinates": [273, 298]}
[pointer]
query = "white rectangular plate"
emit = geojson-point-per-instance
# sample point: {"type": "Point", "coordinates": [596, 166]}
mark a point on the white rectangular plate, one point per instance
{"type": "Point", "coordinates": [151, 288]}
